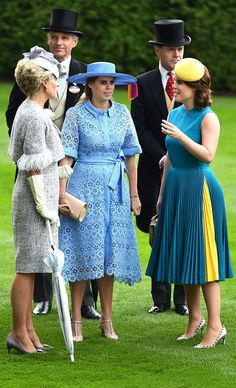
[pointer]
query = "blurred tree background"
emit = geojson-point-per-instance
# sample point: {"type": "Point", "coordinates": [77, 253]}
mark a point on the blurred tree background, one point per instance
{"type": "Point", "coordinates": [119, 31]}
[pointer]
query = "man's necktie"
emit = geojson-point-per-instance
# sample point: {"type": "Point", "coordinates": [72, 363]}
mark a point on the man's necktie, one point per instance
{"type": "Point", "coordinates": [170, 86]}
{"type": "Point", "coordinates": [61, 80]}
{"type": "Point", "coordinates": [62, 70]}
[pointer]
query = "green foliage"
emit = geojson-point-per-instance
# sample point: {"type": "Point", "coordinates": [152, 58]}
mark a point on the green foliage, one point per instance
{"type": "Point", "coordinates": [119, 31]}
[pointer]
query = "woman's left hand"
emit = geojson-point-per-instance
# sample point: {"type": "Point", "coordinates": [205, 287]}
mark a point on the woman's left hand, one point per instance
{"type": "Point", "coordinates": [171, 130]}
{"type": "Point", "coordinates": [136, 205]}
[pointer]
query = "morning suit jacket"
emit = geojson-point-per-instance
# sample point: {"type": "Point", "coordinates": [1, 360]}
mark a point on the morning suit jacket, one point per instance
{"type": "Point", "coordinates": [17, 96]}
{"type": "Point", "coordinates": [148, 110]}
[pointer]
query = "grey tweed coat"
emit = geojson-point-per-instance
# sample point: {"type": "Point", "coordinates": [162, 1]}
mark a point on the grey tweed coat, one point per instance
{"type": "Point", "coordinates": [34, 145]}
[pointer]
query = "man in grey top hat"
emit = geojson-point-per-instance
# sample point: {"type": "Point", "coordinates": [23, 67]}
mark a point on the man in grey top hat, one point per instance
{"type": "Point", "coordinates": [63, 36]}
{"type": "Point", "coordinates": [155, 99]}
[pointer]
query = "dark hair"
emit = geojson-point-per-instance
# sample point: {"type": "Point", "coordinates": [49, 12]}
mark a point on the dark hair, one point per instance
{"type": "Point", "coordinates": [87, 95]}
{"type": "Point", "coordinates": [202, 89]}
{"type": "Point", "coordinates": [87, 89]}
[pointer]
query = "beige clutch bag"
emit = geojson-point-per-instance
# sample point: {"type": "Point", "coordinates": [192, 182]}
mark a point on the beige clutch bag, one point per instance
{"type": "Point", "coordinates": [77, 208]}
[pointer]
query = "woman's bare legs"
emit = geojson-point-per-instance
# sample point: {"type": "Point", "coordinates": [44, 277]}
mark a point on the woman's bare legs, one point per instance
{"type": "Point", "coordinates": [77, 295]}
{"type": "Point", "coordinates": [29, 324]}
{"type": "Point", "coordinates": [211, 293]}
{"type": "Point", "coordinates": [192, 293]}
{"type": "Point", "coordinates": [21, 300]}
{"type": "Point", "coordinates": [105, 287]}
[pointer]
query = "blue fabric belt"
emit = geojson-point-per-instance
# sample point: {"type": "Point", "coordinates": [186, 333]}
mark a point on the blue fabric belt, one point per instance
{"type": "Point", "coordinates": [117, 175]}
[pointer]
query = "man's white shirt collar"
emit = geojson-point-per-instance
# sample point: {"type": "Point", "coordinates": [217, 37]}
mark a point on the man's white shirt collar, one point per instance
{"type": "Point", "coordinates": [164, 75]}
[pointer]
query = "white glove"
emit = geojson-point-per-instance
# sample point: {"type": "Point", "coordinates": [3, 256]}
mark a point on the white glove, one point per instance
{"type": "Point", "coordinates": [37, 188]}
{"type": "Point", "coordinates": [65, 171]}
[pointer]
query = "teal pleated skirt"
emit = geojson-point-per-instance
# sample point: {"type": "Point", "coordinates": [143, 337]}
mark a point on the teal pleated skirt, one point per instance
{"type": "Point", "coordinates": [191, 239]}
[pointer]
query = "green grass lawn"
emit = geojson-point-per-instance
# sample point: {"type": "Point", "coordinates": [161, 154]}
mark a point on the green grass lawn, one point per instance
{"type": "Point", "coordinates": [147, 353]}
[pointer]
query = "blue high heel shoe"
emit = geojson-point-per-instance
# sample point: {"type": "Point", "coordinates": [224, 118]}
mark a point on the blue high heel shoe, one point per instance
{"type": "Point", "coordinates": [198, 330]}
{"type": "Point", "coordinates": [221, 337]}
{"type": "Point", "coordinates": [11, 343]}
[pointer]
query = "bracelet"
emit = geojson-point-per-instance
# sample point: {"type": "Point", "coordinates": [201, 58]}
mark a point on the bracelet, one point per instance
{"type": "Point", "coordinates": [134, 195]}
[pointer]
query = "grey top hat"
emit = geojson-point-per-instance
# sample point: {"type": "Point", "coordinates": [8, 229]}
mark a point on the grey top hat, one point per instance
{"type": "Point", "coordinates": [63, 20]}
{"type": "Point", "coordinates": [170, 32]}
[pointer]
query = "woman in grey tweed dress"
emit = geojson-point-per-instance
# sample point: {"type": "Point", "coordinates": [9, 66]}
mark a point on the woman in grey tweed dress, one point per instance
{"type": "Point", "coordinates": [35, 147]}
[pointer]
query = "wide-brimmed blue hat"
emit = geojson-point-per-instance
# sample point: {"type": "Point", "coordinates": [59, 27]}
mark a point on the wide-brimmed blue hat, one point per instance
{"type": "Point", "coordinates": [105, 69]}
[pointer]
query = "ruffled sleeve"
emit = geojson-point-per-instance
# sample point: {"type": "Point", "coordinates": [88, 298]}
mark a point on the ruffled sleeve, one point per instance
{"type": "Point", "coordinates": [37, 161]}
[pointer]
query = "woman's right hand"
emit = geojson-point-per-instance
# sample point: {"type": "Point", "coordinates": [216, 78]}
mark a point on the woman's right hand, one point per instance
{"type": "Point", "coordinates": [64, 206]}
{"type": "Point", "coordinates": [136, 205]}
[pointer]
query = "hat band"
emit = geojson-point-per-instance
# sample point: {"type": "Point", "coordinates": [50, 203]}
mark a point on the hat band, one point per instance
{"type": "Point", "coordinates": [178, 42]}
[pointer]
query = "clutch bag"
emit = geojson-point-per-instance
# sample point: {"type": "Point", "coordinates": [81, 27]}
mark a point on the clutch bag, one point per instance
{"type": "Point", "coordinates": [152, 226]}
{"type": "Point", "coordinates": [77, 207]}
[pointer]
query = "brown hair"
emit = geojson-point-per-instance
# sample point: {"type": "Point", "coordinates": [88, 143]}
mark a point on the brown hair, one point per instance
{"type": "Point", "coordinates": [202, 89]}
{"type": "Point", "coordinates": [87, 95]}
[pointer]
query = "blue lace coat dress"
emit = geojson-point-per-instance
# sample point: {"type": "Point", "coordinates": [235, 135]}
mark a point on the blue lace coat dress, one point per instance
{"type": "Point", "coordinates": [104, 243]}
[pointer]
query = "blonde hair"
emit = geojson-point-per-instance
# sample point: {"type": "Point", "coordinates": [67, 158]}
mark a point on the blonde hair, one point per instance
{"type": "Point", "coordinates": [30, 76]}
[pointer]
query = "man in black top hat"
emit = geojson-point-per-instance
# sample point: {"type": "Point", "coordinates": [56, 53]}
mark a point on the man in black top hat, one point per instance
{"type": "Point", "coordinates": [155, 99]}
{"type": "Point", "coordinates": [63, 36]}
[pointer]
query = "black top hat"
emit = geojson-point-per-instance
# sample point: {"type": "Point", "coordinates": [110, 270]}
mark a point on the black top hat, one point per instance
{"type": "Point", "coordinates": [170, 33]}
{"type": "Point", "coordinates": [63, 20]}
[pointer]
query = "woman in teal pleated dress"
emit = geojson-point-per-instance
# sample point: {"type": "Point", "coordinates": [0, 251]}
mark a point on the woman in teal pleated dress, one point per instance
{"type": "Point", "coordinates": [191, 244]}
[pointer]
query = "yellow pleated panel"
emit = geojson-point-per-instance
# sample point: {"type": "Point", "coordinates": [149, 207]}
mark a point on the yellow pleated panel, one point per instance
{"type": "Point", "coordinates": [211, 255]}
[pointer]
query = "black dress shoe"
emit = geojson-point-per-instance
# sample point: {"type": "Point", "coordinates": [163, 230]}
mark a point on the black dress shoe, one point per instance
{"type": "Point", "coordinates": [160, 308]}
{"type": "Point", "coordinates": [89, 312]}
{"type": "Point", "coordinates": [181, 309]}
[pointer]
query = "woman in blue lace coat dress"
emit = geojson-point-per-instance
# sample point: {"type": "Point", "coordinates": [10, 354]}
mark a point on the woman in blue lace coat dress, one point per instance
{"type": "Point", "coordinates": [99, 135]}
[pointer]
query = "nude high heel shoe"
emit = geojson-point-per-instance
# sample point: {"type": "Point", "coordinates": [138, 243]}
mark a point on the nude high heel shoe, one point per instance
{"type": "Point", "coordinates": [77, 331]}
{"type": "Point", "coordinates": [198, 330]}
{"type": "Point", "coordinates": [107, 329]}
{"type": "Point", "coordinates": [221, 337]}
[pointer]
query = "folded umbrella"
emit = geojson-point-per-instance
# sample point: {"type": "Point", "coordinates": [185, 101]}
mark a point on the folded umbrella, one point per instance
{"type": "Point", "coordinates": [55, 262]}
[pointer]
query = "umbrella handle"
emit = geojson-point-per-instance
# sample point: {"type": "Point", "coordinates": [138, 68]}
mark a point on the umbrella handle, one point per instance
{"type": "Point", "coordinates": [49, 229]}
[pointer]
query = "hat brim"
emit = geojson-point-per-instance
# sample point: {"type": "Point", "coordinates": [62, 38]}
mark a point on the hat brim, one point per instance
{"type": "Point", "coordinates": [183, 42]}
{"type": "Point", "coordinates": [120, 78]}
{"type": "Point", "coordinates": [68, 31]}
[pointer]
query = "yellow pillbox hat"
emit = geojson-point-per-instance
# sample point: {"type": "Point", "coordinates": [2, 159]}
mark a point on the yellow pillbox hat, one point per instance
{"type": "Point", "coordinates": [189, 69]}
